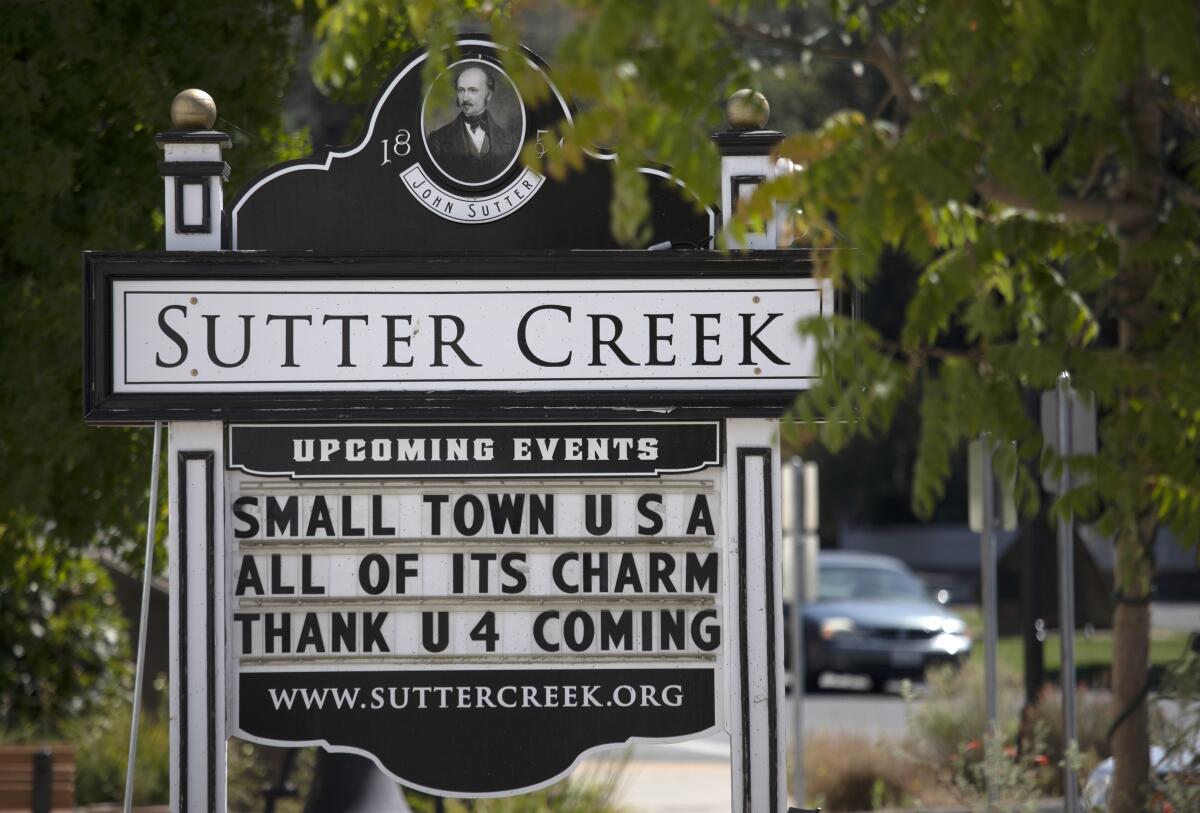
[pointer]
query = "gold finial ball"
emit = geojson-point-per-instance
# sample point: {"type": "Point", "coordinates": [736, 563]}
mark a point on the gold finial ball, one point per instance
{"type": "Point", "coordinates": [747, 110]}
{"type": "Point", "coordinates": [193, 109]}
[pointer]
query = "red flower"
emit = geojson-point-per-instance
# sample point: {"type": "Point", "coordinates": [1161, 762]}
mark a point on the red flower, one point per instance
{"type": "Point", "coordinates": [973, 745]}
{"type": "Point", "coordinates": [1041, 759]}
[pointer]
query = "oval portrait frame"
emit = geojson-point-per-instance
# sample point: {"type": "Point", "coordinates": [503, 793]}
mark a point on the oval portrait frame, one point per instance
{"type": "Point", "coordinates": [498, 72]}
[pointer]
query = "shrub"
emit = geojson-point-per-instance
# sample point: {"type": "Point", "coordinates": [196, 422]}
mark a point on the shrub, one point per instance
{"type": "Point", "coordinates": [102, 745]}
{"type": "Point", "coordinates": [850, 772]}
{"type": "Point", "coordinates": [102, 750]}
{"type": "Point", "coordinates": [1093, 713]}
{"type": "Point", "coordinates": [1015, 780]}
{"type": "Point", "coordinates": [61, 635]}
{"type": "Point", "coordinates": [1179, 733]}
{"type": "Point", "coordinates": [949, 727]}
{"type": "Point", "coordinates": [953, 711]}
{"type": "Point", "coordinates": [253, 768]}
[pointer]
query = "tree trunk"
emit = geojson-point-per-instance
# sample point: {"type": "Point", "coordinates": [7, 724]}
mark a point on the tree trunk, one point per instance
{"type": "Point", "coordinates": [1130, 670]}
{"type": "Point", "coordinates": [1133, 570]}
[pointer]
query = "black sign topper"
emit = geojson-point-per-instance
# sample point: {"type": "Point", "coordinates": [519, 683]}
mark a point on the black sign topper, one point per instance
{"type": "Point", "coordinates": [384, 451]}
{"type": "Point", "coordinates": [439, 167]}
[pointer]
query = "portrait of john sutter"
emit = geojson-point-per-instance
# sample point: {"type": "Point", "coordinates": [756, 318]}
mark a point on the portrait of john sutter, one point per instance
{"type": "Point", "coordinates": [475, 146]}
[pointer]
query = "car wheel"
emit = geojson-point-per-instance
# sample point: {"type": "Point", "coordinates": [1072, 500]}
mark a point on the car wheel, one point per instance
{"type": "Point", "coordinates": [879, 684]}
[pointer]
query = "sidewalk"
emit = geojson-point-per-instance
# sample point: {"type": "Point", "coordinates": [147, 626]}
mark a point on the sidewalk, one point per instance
{"type": "Point", "coordinates": [689, 777]}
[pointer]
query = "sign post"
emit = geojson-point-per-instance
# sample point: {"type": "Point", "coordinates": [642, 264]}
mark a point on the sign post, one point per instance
{"type": "Point", "coordinates": [981, 460]}
{"type": "Point", "coordinates": [1069, 428]}
{"type": "Point", "coordinates": [469, 514]}
{"type": "Point", "coordinates": [985, 517]}
{"type": "Point", "coordinates": [793, 491]}
{"type": "Point", "coordinates": [1066, 575]}
{"type": "Point", "coordinates": [194, 171]}
{"type": "Point", "coordinates": [801, 521]}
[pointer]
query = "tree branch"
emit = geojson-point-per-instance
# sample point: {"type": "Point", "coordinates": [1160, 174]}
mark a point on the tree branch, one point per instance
{"type": "Point", "coordinates": [1121, 213]}
{"type": "Point", "coordinates": [882, 55]}
{"type": "Point", "coordinates": [1124, 214]}
{"type": "Point", "coordinates": [786, 43]}
{"type": "Point", "coordinates": [1182, 192]}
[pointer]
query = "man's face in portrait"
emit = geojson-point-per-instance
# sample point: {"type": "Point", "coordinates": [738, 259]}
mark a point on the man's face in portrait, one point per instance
{"type": "Point", "coordinates": [473, 92]}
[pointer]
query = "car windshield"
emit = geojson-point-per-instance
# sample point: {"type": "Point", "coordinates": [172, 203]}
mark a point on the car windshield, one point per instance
{"type": "Point", "coordinates": [840, 582]}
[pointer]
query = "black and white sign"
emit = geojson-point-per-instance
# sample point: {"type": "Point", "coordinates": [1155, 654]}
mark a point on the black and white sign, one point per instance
{"type": "Point", "coordinates": [425, 335]}
{"type": "Point", "coordinates": [357, 451]}
{"type": "Point", "coordinates": [571, 542]}
{"type": "Point", "coordinates": [435, 162]}
{"type": "Point", "coordinates": [300, 332]}
{"type": "Point", "coordinates": [557, 616]}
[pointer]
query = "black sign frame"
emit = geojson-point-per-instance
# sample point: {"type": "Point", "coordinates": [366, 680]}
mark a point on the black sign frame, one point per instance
{"type": "Point", "coordinates": [102, 405]}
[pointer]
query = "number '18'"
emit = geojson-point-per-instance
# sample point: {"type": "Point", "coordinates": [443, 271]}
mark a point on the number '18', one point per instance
{"type": "Point", "coordinates": [398, 146]}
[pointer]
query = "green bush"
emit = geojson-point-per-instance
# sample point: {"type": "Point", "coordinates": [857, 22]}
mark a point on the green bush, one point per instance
{"type": "Point", "coordinates": [102, 746]}
{"type": "Point", "coordinates": [253, 767]}
{"type": "Point", "coordinates": [101, 752]}
{"type": "Point", "coordinates": [1016, 781]}
{"type": "Point", "coordinates": [1179, 733]}
{"type": "Point", "coordinates": [949, 727]}
{"type": "Point", "coordinates": [880, 775]}
{"type": "Point", "coordinates": [1093, 712]}
{"type": "Point", "coordinates": [953, 711]}
{"type": "Point", "coordinates": [62, 637]}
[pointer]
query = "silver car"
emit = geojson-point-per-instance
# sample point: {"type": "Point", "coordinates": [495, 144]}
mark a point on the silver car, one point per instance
{"type": "Point", "coordinates": [874, 617]}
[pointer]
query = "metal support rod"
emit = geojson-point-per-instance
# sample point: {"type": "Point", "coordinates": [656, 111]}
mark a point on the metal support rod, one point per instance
{"type": "Point", "coordinates": [147, 574]}
{"type": "Point", "coordinates": [282, 788]}
{"type": "Point", "coordinates": [1066, 596]}
{"type": "Point", "coordinates": [987, 558]}
{"type": "Point", "coordinates": [797, 539]}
